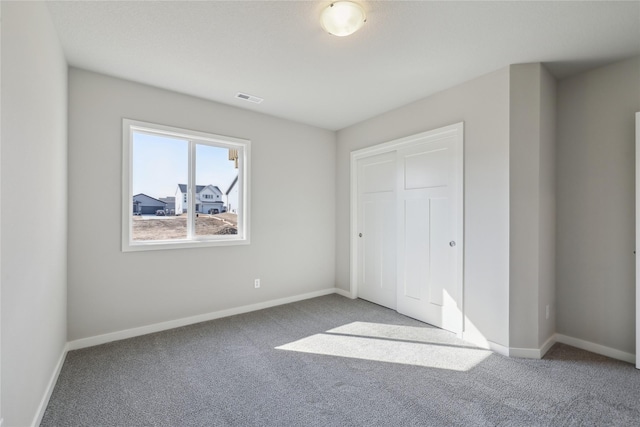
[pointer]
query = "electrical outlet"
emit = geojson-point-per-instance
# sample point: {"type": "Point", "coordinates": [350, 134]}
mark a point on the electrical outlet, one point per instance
{"type": "Point", "coordinates": [547, 311]}
{"type": "Point", "coordinates": [256, 283]}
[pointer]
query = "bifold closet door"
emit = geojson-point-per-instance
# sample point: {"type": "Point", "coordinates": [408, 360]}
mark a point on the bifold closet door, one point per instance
{"type": "Point", "coordinates": [407, 225]}
{"type": "Point", "coordinates": [429, 218]}
{"type": "Point", "coordinates": [377, 229]}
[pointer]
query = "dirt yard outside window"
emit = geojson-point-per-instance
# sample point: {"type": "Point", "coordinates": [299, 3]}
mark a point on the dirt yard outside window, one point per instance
{"type": "Point", "coordinates": [175, 227]}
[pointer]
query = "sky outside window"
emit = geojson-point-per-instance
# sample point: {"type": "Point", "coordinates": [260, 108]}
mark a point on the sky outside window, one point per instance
{"type": "Point", "coordinates": [161, 163]}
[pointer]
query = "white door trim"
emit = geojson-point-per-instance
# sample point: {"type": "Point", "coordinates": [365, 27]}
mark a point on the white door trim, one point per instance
{"type": "Point", "coordinates": [444, 132]}
{"type": "Point", "coordinates": [637, 240]}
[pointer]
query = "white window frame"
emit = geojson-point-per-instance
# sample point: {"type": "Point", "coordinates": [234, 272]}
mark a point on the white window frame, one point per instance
{"type": "Point", "coordinates": [129, 127]}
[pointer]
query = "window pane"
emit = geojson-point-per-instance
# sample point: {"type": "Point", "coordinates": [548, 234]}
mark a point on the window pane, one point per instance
{"type": "Point", "coordinates": [216, 173]}
{"type": "Point", "coordinates": [159, 208]}
{"type": "Point", "coordinates": [159, 165]}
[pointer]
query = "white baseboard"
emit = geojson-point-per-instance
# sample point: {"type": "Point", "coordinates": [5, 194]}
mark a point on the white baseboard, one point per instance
{"type": "Point", "coordinates": [498, 348]}
{"type": "Point", "coordinates": [171, 324]}
{"type": "Point", "coordinates": [533, 353]}
{"type": "Point", "coordinates": [525, 353]}
{"type": "Point", "coordinates": [344, 293]}
{"type": "Point", "coordinates": [50, 386]}
{"type": "Point", "coordinates": [547, 345]}
{"type": "Point", "coordinates": [596, 348]}
{"type": "Point", "coordinates": [480, 341]}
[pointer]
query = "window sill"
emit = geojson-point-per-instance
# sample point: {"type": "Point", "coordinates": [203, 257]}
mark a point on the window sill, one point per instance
{"type": "Point", "coordinates": [181, 244]}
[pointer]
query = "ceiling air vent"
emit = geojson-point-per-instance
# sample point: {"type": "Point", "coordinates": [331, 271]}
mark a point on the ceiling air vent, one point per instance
{"type": "Point", "coordinates": [249, 98]}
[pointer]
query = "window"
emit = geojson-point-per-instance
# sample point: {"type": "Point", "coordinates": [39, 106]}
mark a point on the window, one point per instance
{"type": "Point", "coordinates": [160, 162]}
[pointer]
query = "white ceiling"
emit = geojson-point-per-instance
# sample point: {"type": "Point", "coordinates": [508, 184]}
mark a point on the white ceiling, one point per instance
{"type": "Point", "coordinates": [277, 50]}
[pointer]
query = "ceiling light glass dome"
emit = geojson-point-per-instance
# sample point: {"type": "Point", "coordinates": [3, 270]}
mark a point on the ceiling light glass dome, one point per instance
{"type": "Point", "coordinates": [342, 18]}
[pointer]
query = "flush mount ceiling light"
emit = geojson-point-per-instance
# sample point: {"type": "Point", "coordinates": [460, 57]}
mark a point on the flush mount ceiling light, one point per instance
{"type": "Point", "coordinates": [342, 18]}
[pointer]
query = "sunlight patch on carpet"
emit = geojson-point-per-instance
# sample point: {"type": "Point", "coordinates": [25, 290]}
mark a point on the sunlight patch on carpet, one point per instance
{"type": "Point", "coordinates": [428, 347]}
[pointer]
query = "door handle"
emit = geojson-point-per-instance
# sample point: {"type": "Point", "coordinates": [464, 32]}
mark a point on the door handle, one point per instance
{"type": "Point", "coordinates": [452, 243]}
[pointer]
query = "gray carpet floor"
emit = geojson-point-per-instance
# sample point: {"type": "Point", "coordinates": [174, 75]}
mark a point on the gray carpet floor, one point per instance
{"type": "Point", "coordinates": [331, 361]}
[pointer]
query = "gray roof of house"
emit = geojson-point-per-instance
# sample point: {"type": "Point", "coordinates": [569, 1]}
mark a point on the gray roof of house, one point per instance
{"type": "Point", "coordinates": [183, 188]}
{"type": "Point", "coordinates": [149, 197]}
{"type": "Point", "coordinates": [235, 181]}
{"type": "Point", "coordinates": [199, 188]}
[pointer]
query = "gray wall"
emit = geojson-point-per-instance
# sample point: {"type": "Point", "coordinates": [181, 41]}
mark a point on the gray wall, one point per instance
{"type": "Point", "coordinates": [292, 239]}
{"type": "Point", "coordinates": [524, 172]}
{"type": "Point", "coordinates": [33, 242]}
{"type": "Point", "coordinates": [596, 205]}
{"type": "Point", "coordinates": [547, 208]}
{"type": "Point", "coordinates": [483, 104]}
{"type": "Point", "coordinates": [532, 205]}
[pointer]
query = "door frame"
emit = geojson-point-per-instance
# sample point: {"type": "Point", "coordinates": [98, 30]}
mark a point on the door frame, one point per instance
{"type": "Point", "coordinates": [637, 240]}
{"type": "Point", "coordinates": [455, 130]}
